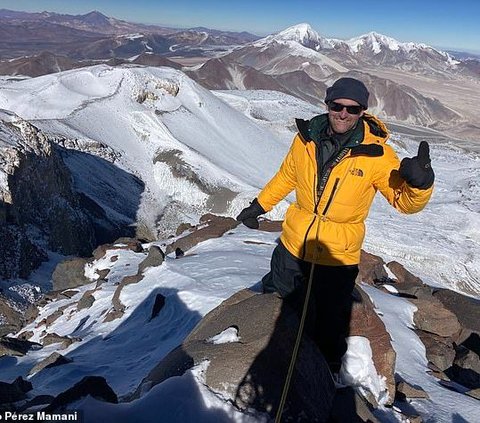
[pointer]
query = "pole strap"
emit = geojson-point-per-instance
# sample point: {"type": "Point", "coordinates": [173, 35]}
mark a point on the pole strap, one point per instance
{"type": "Point", "coordinates": [293, 359]}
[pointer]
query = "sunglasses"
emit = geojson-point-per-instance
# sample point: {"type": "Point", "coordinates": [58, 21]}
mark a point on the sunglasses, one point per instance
{"type": "Point", "coordinates": [351, 110]}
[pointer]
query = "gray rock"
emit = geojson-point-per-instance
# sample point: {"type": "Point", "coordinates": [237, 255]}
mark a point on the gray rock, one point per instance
{"type": "Point", "coordinates": [53, 360]}
{"type": "Point", "coordinates": [16, 347]}
{"type": "Point", "coordinates": [252, 371]}
{"type": "Point", "coordinates": [467, 309]}
{"type": "Point", "coordinates": [157, 305]}
{"type": "Point", "coordinates": [465, 369]}
{"type": "Point", "coordinates": [86, 301]}
{"type": "Point", "coordinates": [15, 391]}
{"type": "Point", "coordinates": [103, 273]}
{"type": "Point", "coordinates": [70, 273]}
{"type": "Point", "coordinates": [95, 386]}
{"type": "Point", "coordinates": [405, 390]}
{"type": "Point", "coordinates": [432, 317]}
{"type": "Point", "coordinates": [53, 338]}
{"type": "Point", "coordinates": [154, 258]}
{"type": "Point", "coordinates": [12, 320]}
{"type": "Point", "coordinates": [127, 243]}
{"type": "Point", "coordinates": [439, 350]}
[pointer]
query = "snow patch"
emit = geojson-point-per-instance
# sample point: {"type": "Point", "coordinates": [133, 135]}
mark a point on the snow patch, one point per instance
{"type": "Point", "coordinates": [359, 371]}
{"type": "Point", "coordinates": [225, 337]}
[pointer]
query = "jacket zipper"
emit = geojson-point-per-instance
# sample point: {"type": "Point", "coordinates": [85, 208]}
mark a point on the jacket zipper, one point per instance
{"type": "Point", "coordinates": [335, 185]}
{"type": "Point", "coordinates": [321, 187]}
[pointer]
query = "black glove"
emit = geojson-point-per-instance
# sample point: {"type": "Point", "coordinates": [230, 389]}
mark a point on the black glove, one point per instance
{"type": "Point", "coordinates": [248, 216]}
{"type": "Point", "coordinates": [417, 171]}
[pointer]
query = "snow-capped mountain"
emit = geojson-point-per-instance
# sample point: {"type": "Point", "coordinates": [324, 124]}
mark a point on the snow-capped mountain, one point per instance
{"type": "Point", "coordinates": [380, 49]}
{"type": "Point", "coordinates": [300, 62]}
{"type": "Point", "coordinates": [303, 34]}
{"type": "Point", "coordinates": [368, 49]}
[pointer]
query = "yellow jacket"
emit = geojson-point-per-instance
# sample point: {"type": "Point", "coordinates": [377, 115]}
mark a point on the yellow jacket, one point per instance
{"type": "Point", "coordinates": [327, 225]}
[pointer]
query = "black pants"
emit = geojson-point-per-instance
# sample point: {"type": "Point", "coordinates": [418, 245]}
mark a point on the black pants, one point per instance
{"type": "Point", "coordinates": [330, 305]}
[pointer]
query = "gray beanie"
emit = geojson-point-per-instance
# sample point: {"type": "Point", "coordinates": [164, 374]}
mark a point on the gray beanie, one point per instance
{"type": "Point", "coordinates": [350, 88]}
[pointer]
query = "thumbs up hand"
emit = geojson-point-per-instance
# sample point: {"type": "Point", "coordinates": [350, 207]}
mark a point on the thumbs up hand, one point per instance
{"type": "Point", "coordinates": [417, 171]}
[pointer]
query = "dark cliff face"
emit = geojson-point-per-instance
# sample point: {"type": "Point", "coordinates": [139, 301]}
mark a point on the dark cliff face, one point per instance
{"type": "Point", "coordinates": [43, 205]}
{"type": "Point", "coordinates": [42, 197]}
{"type": "Point", "coordinates": [19, 256]}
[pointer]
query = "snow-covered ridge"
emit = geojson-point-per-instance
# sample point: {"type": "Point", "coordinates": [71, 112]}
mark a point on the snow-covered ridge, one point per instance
{"type": "Point", "coordinates": [377, 41]}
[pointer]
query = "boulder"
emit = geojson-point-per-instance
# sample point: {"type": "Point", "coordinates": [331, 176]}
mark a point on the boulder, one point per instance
{"type": "Point", "coordinates": [406, 391]}
{"type": "Point", "coordinates": [403, 275]}
{"type": "Point", "coordinates": [365, 322]}
{"type": "Point", "coordinates": [154, 258]}
{"type": "Point", "coordinates": [465, 369]}
{"type": "Point", "coordinates": [16, 347]}
{"type": "Point", "coordinates": [467, 309]}
{"type": "Point", "coordinates": [95, 386]}
{"type": "Point", "coordinates": [250, 368]}
{"type": "Point", "coordinates": [439, 350]}
{"type": "Point", "coordinates": [270, 225]}
{"type": "Point", "coordinates": [86, 301]}
{"type": "Point", "coordinates": [53, 360]}
{"type": "Point", "coordinates": [157, 305]}
{"type": "Point", "coordinates": [408, 285]}
{"type": "Point", "coordinates": [432, 317]}
{"type": "Point", "coordinates": [70, 273]}
{"type": "Point", "coordinates": [371, 269]}
{"type": "Point", "coordinates": [53, 338]}
{"type": "Point", "coordinates": [15, 391]}
{"type": "Point", "coordinates": [127, 280]}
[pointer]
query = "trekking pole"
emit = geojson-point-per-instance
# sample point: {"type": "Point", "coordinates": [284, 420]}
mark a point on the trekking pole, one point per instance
{"type": "Point", "coordinates": [286, 386]}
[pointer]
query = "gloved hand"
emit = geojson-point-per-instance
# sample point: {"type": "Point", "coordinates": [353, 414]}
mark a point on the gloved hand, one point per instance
{"type": "Point", "coordinates": [417, 171]}
{"type": "Point", "coordinates": [248, 216]}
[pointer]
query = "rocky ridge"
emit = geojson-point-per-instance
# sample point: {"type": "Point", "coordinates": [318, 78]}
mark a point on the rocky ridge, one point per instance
{"type": "Point", "coordinates": [451, 335]}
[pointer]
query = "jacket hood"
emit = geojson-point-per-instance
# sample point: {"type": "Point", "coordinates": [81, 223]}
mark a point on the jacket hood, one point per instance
{"type": "Point", "coordinates": [376, 128]}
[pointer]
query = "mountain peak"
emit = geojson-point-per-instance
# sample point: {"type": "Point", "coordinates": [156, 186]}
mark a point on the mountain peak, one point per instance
{"type": "Point", "coordinates": [302, 33]}
{"type": "Point", "coordinates": [95, 17]}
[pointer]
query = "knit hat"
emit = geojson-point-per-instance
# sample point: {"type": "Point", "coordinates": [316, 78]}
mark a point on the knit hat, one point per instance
{"type": "Point", "coordinates": [350, 88]}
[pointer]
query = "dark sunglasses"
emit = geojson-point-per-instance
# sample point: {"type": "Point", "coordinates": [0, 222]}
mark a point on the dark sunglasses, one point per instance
{"type": "Point", "coordinates": [337, 107]}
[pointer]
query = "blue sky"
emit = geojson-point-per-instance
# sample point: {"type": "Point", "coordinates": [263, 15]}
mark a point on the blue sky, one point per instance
{"type": "Point", "coordinates": [440, 23]}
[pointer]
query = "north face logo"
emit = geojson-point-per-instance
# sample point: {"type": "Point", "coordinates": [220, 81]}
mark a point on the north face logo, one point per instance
{"type": "Point", "coordinates": [356, 172]}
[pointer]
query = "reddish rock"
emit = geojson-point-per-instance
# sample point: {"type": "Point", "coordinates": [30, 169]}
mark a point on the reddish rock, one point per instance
{"type": "Point", "coordinates": [211, 226]}
{"type": "Point", "coordinates": [431, 316]}
{"type": "Point", "coordinates": [371, 269]}
{"type": "Point", "coordinates": [365, 322]}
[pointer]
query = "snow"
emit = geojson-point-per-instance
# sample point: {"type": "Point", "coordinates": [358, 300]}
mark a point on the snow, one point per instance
{"type": "Point", "coordinates": [376, 41]}
{"type": "Point", "coordinates": [234, 140]}
{"type": "Point", "coordinates": [359, 371]}
{"type": "Point", "coordinates": [225, 337]}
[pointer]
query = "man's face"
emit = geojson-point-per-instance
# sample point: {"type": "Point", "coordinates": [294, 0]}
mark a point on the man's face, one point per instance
{"type": "Point", "coordinates": [342, 121]}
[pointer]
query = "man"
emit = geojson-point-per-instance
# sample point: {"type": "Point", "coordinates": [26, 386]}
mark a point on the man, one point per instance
{"type": "Point", "coordinates": [336, 164]}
